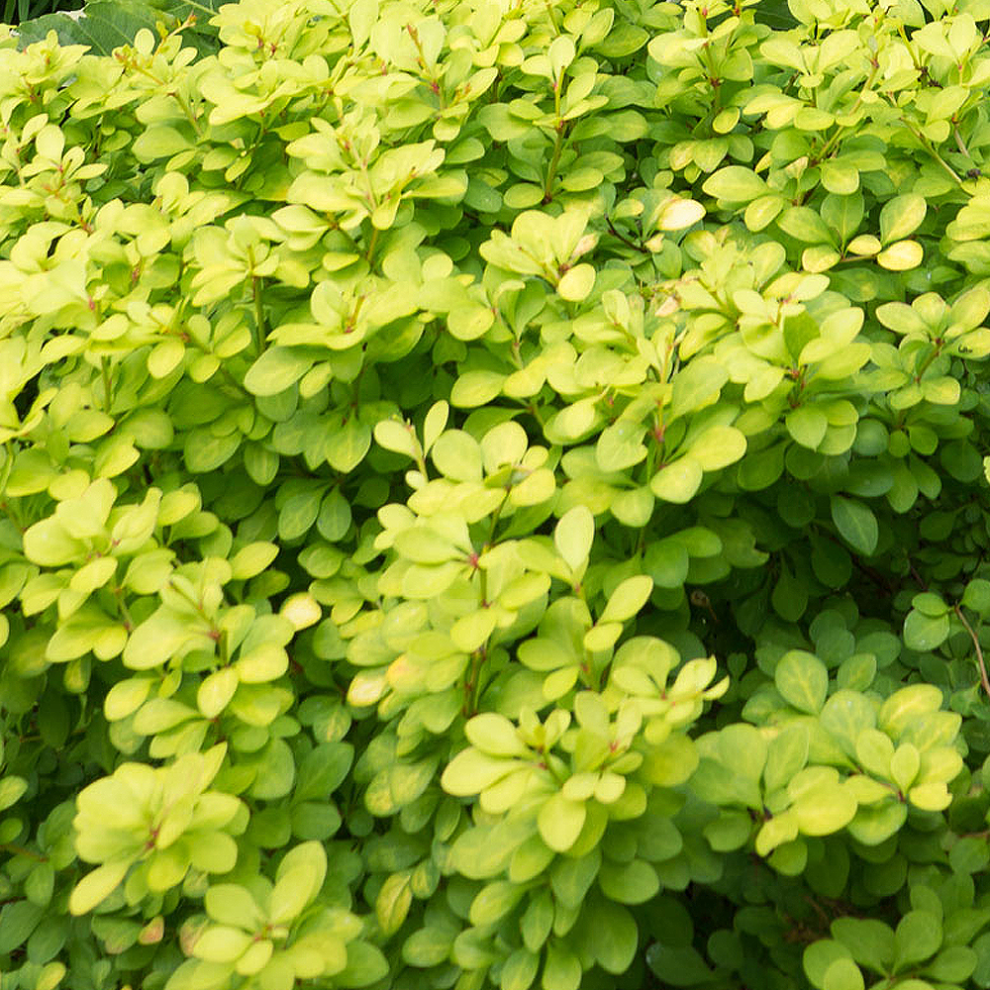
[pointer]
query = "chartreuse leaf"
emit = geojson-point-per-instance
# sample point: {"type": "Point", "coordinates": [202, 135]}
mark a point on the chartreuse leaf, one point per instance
{"type": "Point", "coordinates": [574, 535]}
{"type": "Point", "coordinates": [678, 481]}
{"type": "Point", "coordinates": [735, 184]}
{"type": "Point", "coordinates": [901, 256]}
{"type": "Point", "coordinates": [393, 903]}
{"type": "Point", "coordinates": [787, 753]}
{"type": "Point", "coordinates": [718, 447]}
{"type": "Point", "coordinates": [96, 886]}
{"type": "Point", "coordinates": [276, 370]}
{"type": "Point", "coordinates": [494, 734]}
{"type": "Point", "coordinates": [472, 771]}
{"type": "Point", "coordinates": [560, 822]}
{"type": "Point", "coordinates": [802, 680]}
{"type": "Point", "coordinates": [906, 706]}
{"type": "Point", "coordinates": [627, 599]}
{"type": "Point", "coordinates": [843, 974]}
{"type": "Point", "coordinates": [519, 970]}
{"type": "Point", "coordinates": [901, 216]}
{"type": "Point", "coordinates": [561, 968]}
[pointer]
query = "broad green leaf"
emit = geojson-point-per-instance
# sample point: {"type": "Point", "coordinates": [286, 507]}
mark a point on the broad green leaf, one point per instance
{"type": "Point", "coordinates": [472, 771]}
{"type": "Point", "coordinates": [843, 213]}
{"type": "Point", "coordinates": [577, 283]}
{"type": "Point", "coordinates": [680, 966]}
{"type": "Point", "coordinates": [161, 636]}
{"type": "Point", "coordinates": [871, 942]}
{"type": "Point", "coordinates": [205, 452]}
{"type": "Point", "coordinates": [718, 447]}
{"type": "Point", "coordinates": [874, 751]}
{"type": "Point", "coordinates": [627, 599]}
{"type": "Point", "coordinates": [735, 184]}
{"type": "Point", "coordinates": [393, 903]}
{"type": "Point", "coordinates": [802, 680]}
{"type": "Point", "coordinates": [221, 944]}
{"type": "Point", "coordinates": [819, 956]}
{"type": "Point", "coordinates": [906, 706]}
{"type": "Point", "coordinates": [396, 436]}
{"type": "Point", "coordinates": [804, 224]}
{"type": "Point", "coordinates": [20, 918]}
{"type": "Point", "coordinates": [917, 938]}
{"type": "Point", "coordinates": [620, 446]}
{"type": "Point", "coordinates": [104, 26]}
{"type": "Point", "coordinates": [824, 809]}
{"type": "Point", "coordinates": [614, 938]}
{"type": "Point", "coordinates": [216, 690]}
{"type": "Point", "coordinates": [843, 974]}
{"type": "Point", "coordinates": [345, 446]}
{"type": "Point", "coordinates": [429, 946]}
{"type": "Point", "coordinates": [925, 632]}
{"type": "Point", "coordinates": [856, 523]}
{"type": "Point", "coordinates": [365, 965]}
{"type": "Point", "coordinates": [634, 882]}
{"type": "Point", "coordinates": [680, 213]}
{"type": "Point", "coordinates": [495, 735]}
{"type": "Point", "coordinates": [232, 904]}
{"type": "Point", "coordinates": [97, 886]}
{"type": "Point", "coordinates": [494, 901]}
{"type": "Point", "coordinates": [901, 256]}
{"type": "Point", "coordinates": [562, 969]}
{"type": "Point", "coordinates": [697, 385]}
{"type": "Point", "coordinates": [276, 369]}
{"type": "Point", "coordinates": [47, 543]}
{"type": "Point", "coordinates": [537, 920]}
{"type": "Point", "coordinates": [574, 535]}
{"type": "Point", "coordinates": [954, 964]}
{"type": "Point", "coordinates": [678, 481]}
{"type": "Point", "coordinates": [743, 748]}
{"type": "Point", "coordinates": [904, 766]}
{"type": "Point", "coordinates": [667, 561]}
{"type": "Point", "coordinates": [519, 970]}
{"type": "Point", "coordinates": [807, 425]}
{"type": "Point", "coordinates": [787, 753]}
{"type": "Point", "coordinates": [560, 822]}
{"type": "Point", "coordinates": [457, 455]}
{"type": "Point", "coordinates": [901, 216]}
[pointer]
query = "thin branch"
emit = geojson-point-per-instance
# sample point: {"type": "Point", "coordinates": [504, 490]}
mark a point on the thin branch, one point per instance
{"type": "Point", "coordinates": [625, 240]}
{"type": "Point", "coordinates": [976, 644]}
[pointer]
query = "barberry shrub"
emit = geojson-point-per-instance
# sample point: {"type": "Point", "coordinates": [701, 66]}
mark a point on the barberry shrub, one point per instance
{"type": "Point", "coordinates": [493, 495]}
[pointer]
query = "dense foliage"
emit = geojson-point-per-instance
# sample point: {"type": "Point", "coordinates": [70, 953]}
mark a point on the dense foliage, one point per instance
{"type": "Point", "coordinates": [493, 494]}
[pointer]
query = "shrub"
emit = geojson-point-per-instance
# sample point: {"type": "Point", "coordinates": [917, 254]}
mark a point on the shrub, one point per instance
{"type": "Point", "coordinates": [494, 495]}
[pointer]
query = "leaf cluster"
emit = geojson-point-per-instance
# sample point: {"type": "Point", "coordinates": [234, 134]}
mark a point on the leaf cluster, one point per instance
{"type": "Point", "coordinates": [495, 496]}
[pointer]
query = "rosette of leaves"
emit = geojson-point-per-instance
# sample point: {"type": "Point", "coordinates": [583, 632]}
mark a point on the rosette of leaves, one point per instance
{"type": "Point", "coordinates": [164, 822]}
{"type": "Point", "coordinates": [264, 934]}
{"type": "Point", "coordinates": [551, 826]}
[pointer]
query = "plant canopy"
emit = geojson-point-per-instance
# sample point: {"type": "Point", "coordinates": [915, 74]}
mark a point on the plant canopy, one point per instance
{"type": "Point", "coordinates": [494, 495]}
